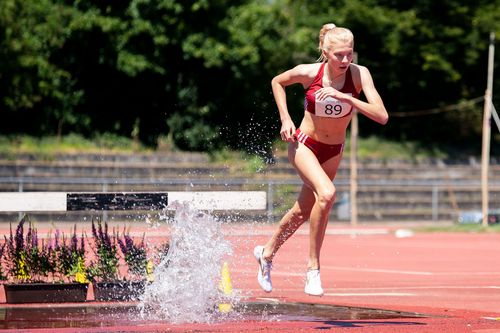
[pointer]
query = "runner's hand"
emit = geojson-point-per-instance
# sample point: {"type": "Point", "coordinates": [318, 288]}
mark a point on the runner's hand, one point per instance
{"type": "Point", "coordinates": [287, 131]}
{"type": "Point", "coordinates": [323, 93]}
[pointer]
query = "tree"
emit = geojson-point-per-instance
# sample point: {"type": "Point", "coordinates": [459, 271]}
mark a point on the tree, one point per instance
{"type": "Point", "coordinates": [201, 70]}
{"type": "Point", "coordinates": [33, 87]}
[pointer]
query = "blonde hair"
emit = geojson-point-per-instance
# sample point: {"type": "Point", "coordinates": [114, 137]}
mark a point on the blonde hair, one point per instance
{"type": "Point", "coordinates": [322, 33]}
{"type": "Point", "coordinates": [330, 34]}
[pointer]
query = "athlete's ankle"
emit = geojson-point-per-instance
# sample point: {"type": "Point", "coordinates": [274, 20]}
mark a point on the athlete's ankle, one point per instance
{"type": "Point", "coordinates": [313, 266]}
{"type": "Point", "coordinates": [267, 256]}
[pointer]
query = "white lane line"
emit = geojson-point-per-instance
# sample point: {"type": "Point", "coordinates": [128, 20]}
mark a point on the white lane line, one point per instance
{"type": "Point", "coordinates": [394, 271]}
{"type": "Point", "coordinates": [415, 288]}
{"type": "Point", "coordinates": [360, 232]}
{"type": "Point", "coordinates": [269, 299]}
{"type": "Point", "coordinates": [376, 270]}
{"type": "Point", "coordinates": [467, 273]}
{"type": "Point", "coordinates": [369, 294]}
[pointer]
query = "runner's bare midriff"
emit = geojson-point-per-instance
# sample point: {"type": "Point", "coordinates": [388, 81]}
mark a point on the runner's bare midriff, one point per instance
{"type": "Point", "coordinates": [325, 130]}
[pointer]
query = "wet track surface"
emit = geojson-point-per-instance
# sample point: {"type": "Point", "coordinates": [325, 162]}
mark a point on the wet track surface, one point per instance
{"type": "Point", "coordinates": [123, 314]}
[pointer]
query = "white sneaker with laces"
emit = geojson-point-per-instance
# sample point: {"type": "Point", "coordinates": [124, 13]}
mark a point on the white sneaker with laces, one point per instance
{"type": "Point", "coordinates": [313, 283]}
{"type": "Point", "coordinates": [264, 275]}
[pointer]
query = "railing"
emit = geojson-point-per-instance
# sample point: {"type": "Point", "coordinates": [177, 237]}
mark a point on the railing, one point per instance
{"type": "Point", "coordinates": [432, 187]}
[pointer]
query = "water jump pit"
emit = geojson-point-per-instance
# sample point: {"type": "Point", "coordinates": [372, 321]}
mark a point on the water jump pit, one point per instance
{"type": "Point", "coordinates": [102, 315]}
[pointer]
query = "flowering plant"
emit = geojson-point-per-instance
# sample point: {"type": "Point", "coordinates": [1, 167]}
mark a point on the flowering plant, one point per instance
{"type": "Point", "coordinates": [135, 256]}
{"type": "Point", "coordinates": [15, 257]}
{"type": "Point", "coordinates": [105, 248]}
{"type": "Point", "coordinates": [71, 257]}
{"type": "Point", "coordinates": [40, 258]}
{"type": "Point", "coordinates": [28, 260]}
{"type": "Point", "coordinates": [25, 260]}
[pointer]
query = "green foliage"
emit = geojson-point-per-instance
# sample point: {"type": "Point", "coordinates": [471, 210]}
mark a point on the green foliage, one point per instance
{"type": "Point", "coordinates": [190, 134]}
{"type": "Point", "coordinates": [375, 148]}
{"type": "Point", "coordinates": [52, 145]}
{"type": "Point", "coordinates": [22, 253]}
{"type": "Point", "coordinates": [27, 260]}
{"type": "Point", "coordinates": [199, 71]}
{"type": "Point", "coordinates": [255, 164]}
{"type": "Point", "coordinates": [135, 255]}
{"type": "Point", "coordinates": [30, 80]}
{"type": "Point", "coordinates": [467, 228]}
{"type": "Point", "coordinates": [285, 196]}
{"type": "Point", "coordinates": [105, 268]}
{"type": "Point", "coordinates": [71, 257]}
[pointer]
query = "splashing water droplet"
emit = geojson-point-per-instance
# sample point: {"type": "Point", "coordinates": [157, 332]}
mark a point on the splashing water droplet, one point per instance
{"type": "Point", "coordinates": [186, 282]}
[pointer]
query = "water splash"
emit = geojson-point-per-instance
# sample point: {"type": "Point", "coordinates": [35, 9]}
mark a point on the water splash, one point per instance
{"type": "Point", "coordinates": [186, 282]}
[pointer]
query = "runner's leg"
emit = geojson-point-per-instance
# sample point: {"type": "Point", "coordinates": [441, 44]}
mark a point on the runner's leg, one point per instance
{"type": "Point", "coordinates": [291, 221]}
{"type": "Point", "coordinates": [319, 179]}
{"type": "Point", "coordinates": [318, 184]}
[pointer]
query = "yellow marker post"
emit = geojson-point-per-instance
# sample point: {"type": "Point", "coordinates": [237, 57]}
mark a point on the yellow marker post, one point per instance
{"type": "Point", "coordinates": [150, 271]}
{"type": "Point", "coordinates": [226, 287]}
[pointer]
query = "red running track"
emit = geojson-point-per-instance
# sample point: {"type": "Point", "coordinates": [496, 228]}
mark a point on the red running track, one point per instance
{"type": "Point", "coordinates": [454, 278]}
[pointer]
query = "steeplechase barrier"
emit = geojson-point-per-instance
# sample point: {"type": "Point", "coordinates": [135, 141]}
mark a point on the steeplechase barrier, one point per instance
{"type": "Point", "coordinates": [80, 201]}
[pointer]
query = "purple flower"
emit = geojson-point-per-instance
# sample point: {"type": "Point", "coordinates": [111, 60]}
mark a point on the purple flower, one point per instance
{"type": "Point", "coordinates": [19, 240]}
{"type": "Point", "coordinates": [82, 244]}
{"type": "Point", "coordinates": [94, 232]}
{"type": "Point", "coordinates": [50, 246]}
{"type": "Point", "coordinates": [122, 245]}
{"type": "Point", "coordinates": [56, 238]}
{"type": "Point", "coordinates": [74, 240]}
{"type": "Point", "coordinates": [129, 241]}
{"type": "Point", "coordinates": [34, 239]}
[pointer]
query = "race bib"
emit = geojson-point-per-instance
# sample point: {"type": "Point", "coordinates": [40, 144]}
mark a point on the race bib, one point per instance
{"type": "Point", "coordinates": [332, 108]}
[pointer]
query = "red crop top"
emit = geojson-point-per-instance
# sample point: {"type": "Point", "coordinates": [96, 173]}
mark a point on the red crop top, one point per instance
{"type": "Point", "coordinates": [330, 107]}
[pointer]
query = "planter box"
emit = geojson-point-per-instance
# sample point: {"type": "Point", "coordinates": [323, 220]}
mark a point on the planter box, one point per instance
{"type": "Point", "coordinates": [45, 292]}
{"type": "Point", "coordinates": [119, 290]}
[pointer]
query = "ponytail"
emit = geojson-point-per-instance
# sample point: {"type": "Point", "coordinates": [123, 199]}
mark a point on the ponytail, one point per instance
{"type": "Point", "coordinates": [322, 33]}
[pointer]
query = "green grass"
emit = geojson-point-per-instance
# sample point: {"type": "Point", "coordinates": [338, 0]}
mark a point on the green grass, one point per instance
{"type": "Point", "coordinates": [371, 147]}
{"type": "Point", "coordinates": [469, 228]}
{"type": "Point", "coordinates": [72, 143]}
{"type": "Point", "coordinates": [382, 149]}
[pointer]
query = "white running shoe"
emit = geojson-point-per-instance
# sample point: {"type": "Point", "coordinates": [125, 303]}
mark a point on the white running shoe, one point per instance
{"type": "Point", "coordinates": [313, 283]}
{"type": "Point", "coordinates": [264, 275]}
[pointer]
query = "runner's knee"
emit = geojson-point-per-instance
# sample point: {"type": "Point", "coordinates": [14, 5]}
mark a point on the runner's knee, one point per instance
{"type": "Point", "coordinates": [326, 196]}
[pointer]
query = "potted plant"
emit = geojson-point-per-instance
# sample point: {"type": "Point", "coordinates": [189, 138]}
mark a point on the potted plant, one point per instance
{"type": "Point", "coordinates": [34, 271]}
{"type": "Point", "coordinates": [71, 257]}
{"type": "Point", "coordinates": [139, 267]}
{"type": "Point", "coordinates": [135, 255]}
{"type": "Point", "coordinates": [103, 270]}
{"type": "Point", "coordinates": [109, 282]}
